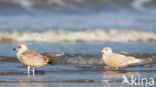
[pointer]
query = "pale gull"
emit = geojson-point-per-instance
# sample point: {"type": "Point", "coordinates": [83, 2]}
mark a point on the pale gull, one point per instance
{"type": "Point", "coordinates": [117, 61]}
{"type": "Point", "coordinates": [31, 59]}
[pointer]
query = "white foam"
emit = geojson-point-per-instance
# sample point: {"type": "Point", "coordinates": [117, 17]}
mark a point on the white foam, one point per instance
{"type": "Point", "coordinates": [139, 5]}
{"type": "Point", "coordinates": [96, 35]}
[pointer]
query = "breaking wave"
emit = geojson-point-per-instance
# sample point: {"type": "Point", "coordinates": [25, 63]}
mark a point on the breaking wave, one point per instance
{"type": "Point", "coordinates": [89, 36]}
{"type": "Point", "coordinates": [142, 4]}
{"type": "Point", "coordinates": [27, 4]}
{"type": "Point", "coordinates": [84, 59]}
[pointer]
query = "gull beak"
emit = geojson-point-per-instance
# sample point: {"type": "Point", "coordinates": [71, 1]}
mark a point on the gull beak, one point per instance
{"type": "Point", "coordinates": [14, 49]}
{"type": "Point", "coordinates": [100, 52]}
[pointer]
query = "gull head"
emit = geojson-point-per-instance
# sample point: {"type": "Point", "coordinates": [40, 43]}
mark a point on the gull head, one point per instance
{"type": "Point", "coordinates": [21, 48]}
{"type": "Point", "coordinates": [106, 50]}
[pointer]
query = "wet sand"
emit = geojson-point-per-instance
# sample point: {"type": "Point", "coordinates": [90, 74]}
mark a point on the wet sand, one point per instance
{"type": "Point", "coordinates": [75, 66]}
{"type": "Point", "coordinates": [14, 74]}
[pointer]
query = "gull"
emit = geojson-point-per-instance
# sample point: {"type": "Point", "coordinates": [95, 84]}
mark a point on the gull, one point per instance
{"type": "Point", "coordinates": [117, 61]}
{"type": "Point", "coordinates": [31, 59]}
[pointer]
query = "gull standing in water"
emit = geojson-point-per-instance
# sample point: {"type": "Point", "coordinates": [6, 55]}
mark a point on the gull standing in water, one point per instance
{"type": "Point", "coordinates": [31, 59]}
{"type": "Point", "coordinates": [117, 61]}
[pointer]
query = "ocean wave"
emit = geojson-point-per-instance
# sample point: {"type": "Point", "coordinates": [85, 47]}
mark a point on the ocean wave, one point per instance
{"type": "Point", "coordinates": [89, 36]}
{"type": "Point", "coordinates": [31, 3]}
{"type": "Point", "coordinates": [140, 5]}
{"type": "Point", "coordinates": [137, 4]}
{"type": "Point", "coordinates": [83, 59]}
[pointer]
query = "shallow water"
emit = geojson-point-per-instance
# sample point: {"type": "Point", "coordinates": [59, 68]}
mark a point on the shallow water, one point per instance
{"type": "Point", "coordinates": [70, 75]}
{"type": "Point", "coordinates": [76, 65]}
{"type": "Point", "coordinates": [73, 32]}
{"type": "Point", "coordinates": [81, 48]}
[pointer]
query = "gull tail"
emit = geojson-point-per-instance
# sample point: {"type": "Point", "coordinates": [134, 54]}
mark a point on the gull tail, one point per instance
{"type": "Point", "coordinates": [51, 61]}
{"type": "Point", "coordinates": [144, 61]}
{"type": "Point", "coordinates": [132, 60]}
{"type": "Point", "coordinates": [140, 61]}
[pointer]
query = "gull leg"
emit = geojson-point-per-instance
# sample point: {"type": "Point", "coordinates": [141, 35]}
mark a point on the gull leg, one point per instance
{"type": "Point", "coordinates": [28, 70]}
{"type": "Point", "coordinates": [33, 70]}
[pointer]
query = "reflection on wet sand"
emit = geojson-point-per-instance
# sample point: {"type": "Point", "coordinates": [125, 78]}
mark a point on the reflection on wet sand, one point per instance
{"type": "Point", "coordinates": [26, 84]}
{"type": "Point", "coordinates": [117, 74]}
{"type": "Point", "coordinates": [116, 77]}
{"type": "Point", "coordinates": [35, 81]}
{"type": "Point", "coordinates": [13, 75]}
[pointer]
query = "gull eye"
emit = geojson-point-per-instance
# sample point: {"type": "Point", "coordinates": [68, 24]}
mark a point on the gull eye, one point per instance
{"type": "Point", "coordinates": [106, 49]}
{"type": "Point", "coordinates": [19, 46]}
